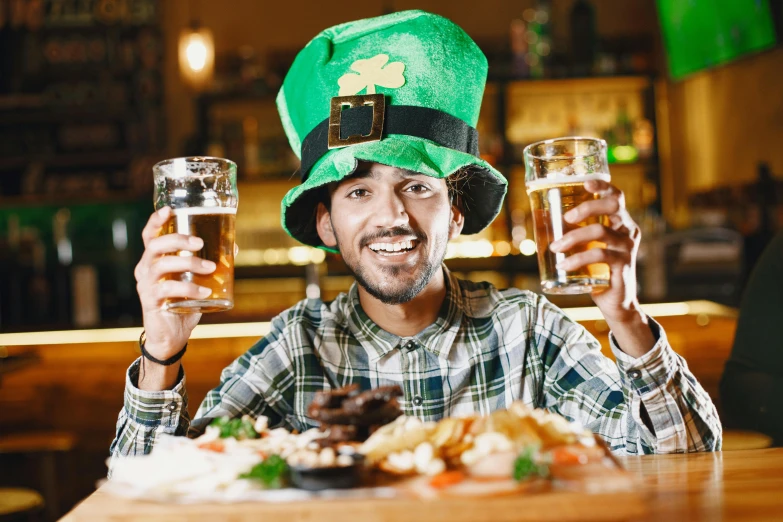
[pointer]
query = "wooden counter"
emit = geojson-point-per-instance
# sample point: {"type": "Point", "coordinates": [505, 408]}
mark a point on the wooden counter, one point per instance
{"type": "Point", "coordinates": [740, 485]}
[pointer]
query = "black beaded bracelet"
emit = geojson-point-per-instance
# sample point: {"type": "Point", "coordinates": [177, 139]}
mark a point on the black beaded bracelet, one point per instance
{"type": "Point", "coordinates": [168, 362]}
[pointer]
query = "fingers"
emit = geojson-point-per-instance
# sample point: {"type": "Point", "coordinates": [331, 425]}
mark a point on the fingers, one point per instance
{"type": "Point", "coordinates": [602, 188]}
{"type": "Point", "coordinates": [153, 296]}
{"type": "Point", "coordinates": [154, 224]}
{"type": "Point", "coordinates": [613, 239]}
{"type": "Point", "coordinates": [177, 264]}
{"type": "Point", "coordinates": [595, 207]}
{"type": "Point", "coordinates": [614, 258]}
{"type": "Point", "coordinates": [157, 262]}
{"type": "Point", "coordinates": [166, 244]}
{"type": "Point", "coordinates": [173, 243]}
{"type": "Point", "coordinates": [611, 202]}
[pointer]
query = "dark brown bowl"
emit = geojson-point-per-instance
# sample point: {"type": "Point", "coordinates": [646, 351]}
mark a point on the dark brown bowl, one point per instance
{"type": "Point", "coordinates": [333, 477]}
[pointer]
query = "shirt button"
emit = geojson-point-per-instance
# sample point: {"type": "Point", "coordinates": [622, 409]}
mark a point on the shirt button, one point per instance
{"type": "Point", "coordinates": [410, 345]}
{"type": "Point", "coordinates": [634, 374]}
{"type": "Point", "coordinates": [418, 401]}
{"type": "Point", "coordinates": [172, 406]}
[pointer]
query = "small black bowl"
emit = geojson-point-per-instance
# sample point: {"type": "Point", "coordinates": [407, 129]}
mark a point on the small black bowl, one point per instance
{"type": "Point", "coordinates": [333, 477]}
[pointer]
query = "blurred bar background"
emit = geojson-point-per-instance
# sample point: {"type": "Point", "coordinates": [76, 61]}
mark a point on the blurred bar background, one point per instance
{"type": "Point", "coordinates": [94, 92]}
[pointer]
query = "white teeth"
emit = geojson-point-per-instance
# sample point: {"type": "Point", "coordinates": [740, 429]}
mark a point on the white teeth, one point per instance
{"type": "Point", "coordinates": [392, 247]}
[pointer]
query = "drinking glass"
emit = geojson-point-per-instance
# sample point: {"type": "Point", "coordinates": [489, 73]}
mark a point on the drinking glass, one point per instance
{"type": "Point", "coordinates": [555, 173]}
{"type": "Point", "coordinates": [202, 193]}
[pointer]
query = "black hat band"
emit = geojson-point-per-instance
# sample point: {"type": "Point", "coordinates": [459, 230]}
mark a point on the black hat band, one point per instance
{"type": "Point", "coordinates": [410, 120]}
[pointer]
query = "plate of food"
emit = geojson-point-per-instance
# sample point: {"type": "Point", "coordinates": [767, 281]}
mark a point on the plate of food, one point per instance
{"type": "Point", "coordinates": [365, 447]}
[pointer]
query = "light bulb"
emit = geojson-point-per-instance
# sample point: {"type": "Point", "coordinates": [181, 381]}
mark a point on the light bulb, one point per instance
{"type": "Point", "coordinates": [196, 53]}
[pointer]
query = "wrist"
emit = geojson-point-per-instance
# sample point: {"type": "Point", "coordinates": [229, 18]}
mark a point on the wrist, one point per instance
{"type": "Point", "coordinates": [632, 315]}
{"type": "Point", "coordinates": [156, 377]}
{"type": "Point", "coordinates": [161, 353]}
{"type": "Point", "coordinates": [632, 332]}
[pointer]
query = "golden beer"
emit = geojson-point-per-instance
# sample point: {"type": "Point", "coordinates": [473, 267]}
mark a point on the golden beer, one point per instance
{"type": "Point", "coordinates": [550, 199]}
{"type": "Point", "coordinates": [215, 226]}
{"type": "Point", "coordinates": [202, 193]}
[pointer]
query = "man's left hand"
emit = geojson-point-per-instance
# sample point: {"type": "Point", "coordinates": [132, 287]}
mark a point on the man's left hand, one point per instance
{"type": "Point", "coordinates": [622, 237]}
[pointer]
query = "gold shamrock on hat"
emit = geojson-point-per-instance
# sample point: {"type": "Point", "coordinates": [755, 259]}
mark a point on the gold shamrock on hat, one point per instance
{"type": "Point", "coordinates": [372, 71]}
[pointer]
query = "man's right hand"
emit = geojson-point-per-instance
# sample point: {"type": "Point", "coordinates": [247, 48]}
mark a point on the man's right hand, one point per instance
{"type": "Point", "coordinates": [167, 332]}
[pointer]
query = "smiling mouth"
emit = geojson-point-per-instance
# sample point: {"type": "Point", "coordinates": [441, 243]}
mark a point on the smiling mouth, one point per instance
{"type": "Point", "coordinates": [397, 248]}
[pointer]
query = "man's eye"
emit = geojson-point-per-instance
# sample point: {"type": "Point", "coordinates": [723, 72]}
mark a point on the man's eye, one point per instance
{"type": "Point", "coordinates": [357, 193]}
{"type": "Point", "coordinates": [418, 189]}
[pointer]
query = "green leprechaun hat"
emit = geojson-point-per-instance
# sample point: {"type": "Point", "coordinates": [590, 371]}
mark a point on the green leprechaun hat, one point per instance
{"type": "Point", "coordinates": [403, 90]}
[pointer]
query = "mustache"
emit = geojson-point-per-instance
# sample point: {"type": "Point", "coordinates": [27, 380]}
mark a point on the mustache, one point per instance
{"type": "Point", "coordinates": [392, 232]}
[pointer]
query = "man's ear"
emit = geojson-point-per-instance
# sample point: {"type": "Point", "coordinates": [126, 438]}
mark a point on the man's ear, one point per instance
{"type": "Point", "coordinates": [457, 219]}
{"type": "Point", "coordinates": [323, 224]}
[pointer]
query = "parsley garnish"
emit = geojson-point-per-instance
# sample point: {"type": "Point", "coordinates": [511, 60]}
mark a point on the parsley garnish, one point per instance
{"type": "Point", "coordinates": [273, 472]}
{"type": "Point", "coordinates": [526, 467]}
{"type": "Point", "coordinates": [237, 428]}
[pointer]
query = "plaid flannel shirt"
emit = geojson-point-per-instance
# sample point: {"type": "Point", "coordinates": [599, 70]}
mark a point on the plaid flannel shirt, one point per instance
{"type": "Point", "coordinates": [486, 349]}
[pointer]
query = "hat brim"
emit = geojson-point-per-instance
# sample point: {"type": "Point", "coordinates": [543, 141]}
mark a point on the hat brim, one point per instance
{"type": "Point", "coordinates": [482, 190]}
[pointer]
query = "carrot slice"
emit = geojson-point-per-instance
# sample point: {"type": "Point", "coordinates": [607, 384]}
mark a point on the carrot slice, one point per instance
{"type": "Point", "coordinates": [564, 456]}
{"type": "Point", "coordinates": [447, 478]}
{"type": "Point", "coordinates": [214, 445]}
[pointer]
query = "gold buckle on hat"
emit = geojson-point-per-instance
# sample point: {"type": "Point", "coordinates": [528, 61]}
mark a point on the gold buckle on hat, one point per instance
{"type": "Point", "coordinates": [378, 103]}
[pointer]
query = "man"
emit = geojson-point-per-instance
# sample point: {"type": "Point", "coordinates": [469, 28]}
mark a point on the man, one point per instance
{"type": "Point", "coordinates": [389, 202]}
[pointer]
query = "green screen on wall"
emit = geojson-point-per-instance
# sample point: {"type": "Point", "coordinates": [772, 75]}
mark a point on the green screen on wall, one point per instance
{"type": "Point", "coordinates": [699, 34]}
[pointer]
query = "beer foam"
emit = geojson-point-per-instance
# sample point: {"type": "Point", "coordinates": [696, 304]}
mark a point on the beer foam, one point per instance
{"type": "Point", "coordinates": [201, 211]}
{"type": "Point", "coordinates": [537, 184]}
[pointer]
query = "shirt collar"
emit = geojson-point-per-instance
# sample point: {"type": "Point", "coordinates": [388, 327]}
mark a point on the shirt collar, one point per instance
{"type": "Point", "coordinates": [438, 338]}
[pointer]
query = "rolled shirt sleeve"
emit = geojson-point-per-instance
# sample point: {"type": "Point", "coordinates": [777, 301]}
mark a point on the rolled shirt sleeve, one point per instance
{"type": "Point", "coordinates": [680, 410]}
{"type": "Point", "coordinates": [582, 384]}
{"type": "Point", "coordinates": [259, 382]}
{"type": "Point", "coordinates": [148, 414]}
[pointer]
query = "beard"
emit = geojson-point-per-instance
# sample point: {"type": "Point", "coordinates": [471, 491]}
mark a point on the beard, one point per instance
{"type": "Point", "coordinates": [403, 289]}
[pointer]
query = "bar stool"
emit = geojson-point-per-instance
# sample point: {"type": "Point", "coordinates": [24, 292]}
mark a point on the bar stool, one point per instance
{"type": "Point", "coordinates": [20, 504]}
{"type": "Point", "coordinates": [44, 445]}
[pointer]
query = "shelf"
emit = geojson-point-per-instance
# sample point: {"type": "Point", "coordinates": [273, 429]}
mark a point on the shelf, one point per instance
{"type": "Point", "coordinates": [236, 95]}
{"type": "Point", "coordinates": [592, 83]}
{"type": "Point", "coordinates": [21, 101]}
{"type": "Point", "coordinates": [44, 200]}
{"type": "Point", "coordinates": [80, 159]}
{"type": "Point", "coordinates": [16, 116]}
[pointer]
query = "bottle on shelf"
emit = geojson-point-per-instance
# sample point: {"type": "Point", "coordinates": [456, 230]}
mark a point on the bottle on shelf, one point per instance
{"type": "Point", "coordinates": [539, 38]}
{"type": "Point", "coordinates": [584, 42]}
{"type": "Point", "coordinates": [37, 291]}
{"type": "Point", "coordinates": [62, 267]}
{"type": "Point", "coordinates": [252, 165]}
{"type": "Point", "coordinates": [11, 287]}
{"type": "Point", "coordinates": [215, 147]}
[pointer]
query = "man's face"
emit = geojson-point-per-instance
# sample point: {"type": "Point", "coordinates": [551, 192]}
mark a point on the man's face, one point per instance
{"type": "Point", "coordinates": [392, 227]}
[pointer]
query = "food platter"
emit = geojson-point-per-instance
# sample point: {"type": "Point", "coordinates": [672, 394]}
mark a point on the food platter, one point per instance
{"type": "Point", "coordinates": [366, 449]}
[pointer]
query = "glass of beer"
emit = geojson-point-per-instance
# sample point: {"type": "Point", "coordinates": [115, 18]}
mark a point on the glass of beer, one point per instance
{"type": "Point", "coordinates": [202, 192]}
{"type": "Point", "coordinates": [555, 173]}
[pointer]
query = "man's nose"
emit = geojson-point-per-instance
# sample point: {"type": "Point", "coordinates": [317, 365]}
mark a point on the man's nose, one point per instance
{"type": "Point", "coordinates": [389, 210]}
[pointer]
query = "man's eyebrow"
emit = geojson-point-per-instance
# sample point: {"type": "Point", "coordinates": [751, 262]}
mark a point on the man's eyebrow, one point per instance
{"type": "Point", "coordinates": [366, 172]}
{"type": "Point", "coordinates": [363, 172]}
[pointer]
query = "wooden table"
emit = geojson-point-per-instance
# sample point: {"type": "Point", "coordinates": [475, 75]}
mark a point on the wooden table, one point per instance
{"type": "Point", "coordinates": [738, 485]}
